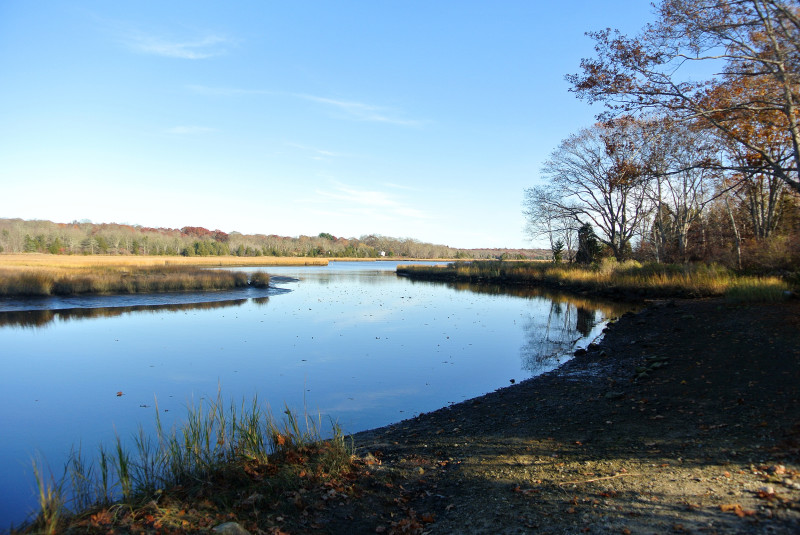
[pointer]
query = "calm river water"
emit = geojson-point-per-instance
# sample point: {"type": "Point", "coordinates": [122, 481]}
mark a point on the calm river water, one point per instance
{"type": "Point", "coordinates": [351, 341]}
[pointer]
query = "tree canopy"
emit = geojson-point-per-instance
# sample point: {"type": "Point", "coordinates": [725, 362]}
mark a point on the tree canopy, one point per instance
{"type": "Point", "coordinates": [751, 52]}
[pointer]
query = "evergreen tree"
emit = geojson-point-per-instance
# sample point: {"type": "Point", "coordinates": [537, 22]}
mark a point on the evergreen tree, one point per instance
{"type": "Point", "coordinates": [588, 245]}
{"type": "Point", "coordinates": [558, 251]}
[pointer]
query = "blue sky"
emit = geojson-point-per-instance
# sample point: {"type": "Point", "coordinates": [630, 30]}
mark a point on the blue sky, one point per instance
{"type": "Point", "coordinates": [419, 119]}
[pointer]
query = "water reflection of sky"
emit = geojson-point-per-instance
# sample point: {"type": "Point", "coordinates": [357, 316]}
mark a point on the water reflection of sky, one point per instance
{"type": "Point", "coordinates": [349, 341]}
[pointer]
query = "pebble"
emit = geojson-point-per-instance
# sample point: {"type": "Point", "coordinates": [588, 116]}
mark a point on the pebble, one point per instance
{"type": "Point", "coordinates": [230, 528]}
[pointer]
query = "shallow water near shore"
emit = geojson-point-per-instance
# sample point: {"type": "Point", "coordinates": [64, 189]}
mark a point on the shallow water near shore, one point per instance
{"type": "Point", "coordinates": [350, 341]}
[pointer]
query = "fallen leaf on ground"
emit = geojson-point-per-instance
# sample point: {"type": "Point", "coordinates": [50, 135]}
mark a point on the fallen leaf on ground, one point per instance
{"type": "Point", "coordinates": [736, 509]}
{"type": "Point", "coordinates": [103, 517]}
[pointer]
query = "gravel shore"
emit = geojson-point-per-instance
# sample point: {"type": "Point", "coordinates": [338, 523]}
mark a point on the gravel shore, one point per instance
{"type": "Point", "coordinates": [684, 419]}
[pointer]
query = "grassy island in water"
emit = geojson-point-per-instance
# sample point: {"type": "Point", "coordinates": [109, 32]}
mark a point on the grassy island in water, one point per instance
{"type": "Point", "coordinates": [29, 275]}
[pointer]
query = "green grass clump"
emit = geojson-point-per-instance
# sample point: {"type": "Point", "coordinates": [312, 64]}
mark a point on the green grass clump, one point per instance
{"type": "Point", "coordinates": [757, 291]}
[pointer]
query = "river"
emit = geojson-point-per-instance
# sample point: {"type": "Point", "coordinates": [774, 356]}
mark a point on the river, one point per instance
{"type": "Point", "coordinates": [351, 341]}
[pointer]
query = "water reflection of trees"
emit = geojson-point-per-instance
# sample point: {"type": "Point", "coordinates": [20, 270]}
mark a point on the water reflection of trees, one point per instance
{"type": "Point", "coordinates": [549, 337]}
{"type": "Point", "coordinates": [41, 318]}
{"type": "Point", "coordinates": [606, 307]}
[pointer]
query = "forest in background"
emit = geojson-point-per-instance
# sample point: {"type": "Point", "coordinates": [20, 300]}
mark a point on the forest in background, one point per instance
{"type": "Point", "coordinates": [87, 238]}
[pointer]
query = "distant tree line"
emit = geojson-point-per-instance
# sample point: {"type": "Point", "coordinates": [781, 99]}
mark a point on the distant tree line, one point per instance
{"type": "Point", "coordinates": [87, 238]}
{"type": "Point", "coordinates": [679, 169]}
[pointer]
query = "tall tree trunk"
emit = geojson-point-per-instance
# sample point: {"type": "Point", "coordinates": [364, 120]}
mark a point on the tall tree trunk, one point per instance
{"type": "Point", "coordinates": [736, 235]}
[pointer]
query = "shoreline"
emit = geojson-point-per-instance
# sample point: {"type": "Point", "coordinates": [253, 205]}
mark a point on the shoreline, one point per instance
{"type": "Point", "coordinates": [627, 281]}
{"type": "Point", "coordinates": [90, 301]}
{"type": "Point", "coordinates": [638, 434]}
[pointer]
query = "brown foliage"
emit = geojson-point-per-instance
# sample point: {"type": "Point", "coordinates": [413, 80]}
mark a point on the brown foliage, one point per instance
{"type": "Point", "coordinates": [753, 42]}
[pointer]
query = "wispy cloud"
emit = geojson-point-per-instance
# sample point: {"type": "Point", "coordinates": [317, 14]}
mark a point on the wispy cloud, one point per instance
{"type": "Point", "coordinates": [374, 204]}
{"type": "Point", "coordinates": [360, 111]}
{"type": "Point", "coordinates": [316, 154]}
{"type": "Point", "coordinates": [190, 130]}
{"type": "Point", "coordinates": [346, 109]}
{"type": "Point", "coordinates": [202, 47]}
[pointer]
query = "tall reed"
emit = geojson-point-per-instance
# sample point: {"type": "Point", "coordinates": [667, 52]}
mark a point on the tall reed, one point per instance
{"type": "Point", "coordinates": [50, 494]}
{"type": "Point", "coordinates": [214, 438]}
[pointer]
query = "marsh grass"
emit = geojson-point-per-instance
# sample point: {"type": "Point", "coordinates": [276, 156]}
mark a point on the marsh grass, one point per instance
{"type": "Point", "coordinates": [259, 279]}
{"type": "Point", "coordinates": [46, 281]}
{"type": "Point", "coordinates": [50, 498]}
{"type": "Point", "coordinates": [81, 261]}
{"type": "Point", "coordinates": [748, 292]}
{"type": "Point", "coordinates": [217, 442]}
{"type": "Point", "coordinates": [611, 277]}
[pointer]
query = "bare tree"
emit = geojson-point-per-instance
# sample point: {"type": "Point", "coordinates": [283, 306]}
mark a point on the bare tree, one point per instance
{"type": "Point", "coordinates": [758, 189]}
{"type": "Point", "coordinates": [544, 219]}
{"type": "Point", "coordinates": [596, 177]}
{"type": "Point", "coordinates": [762, 196]}
{"type": "Point", "coordinates": [683, 169]}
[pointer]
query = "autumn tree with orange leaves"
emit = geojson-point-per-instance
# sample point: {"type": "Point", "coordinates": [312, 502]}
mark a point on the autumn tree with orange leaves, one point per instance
{"type": "Point", "coordinates": [751, 48]}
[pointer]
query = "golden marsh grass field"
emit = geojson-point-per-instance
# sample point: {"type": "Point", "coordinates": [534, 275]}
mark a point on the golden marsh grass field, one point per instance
{"type": "Point", "coordinates": [78, 261]}
{"type": "Point", "coordinates": [43, 275]}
